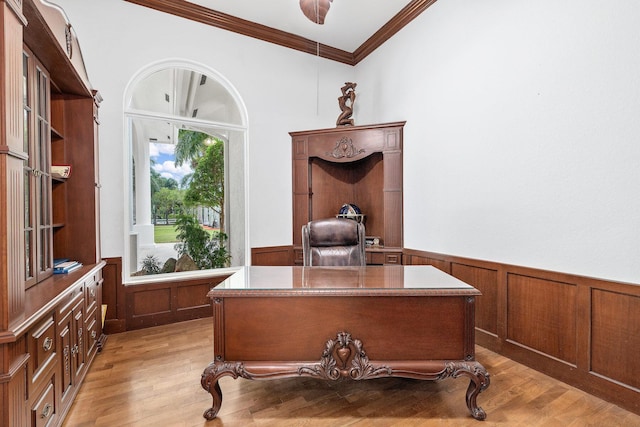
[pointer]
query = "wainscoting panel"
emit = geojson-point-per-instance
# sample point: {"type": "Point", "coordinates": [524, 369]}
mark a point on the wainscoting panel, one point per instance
{"type": "Point", "coordinates": [273, 255]}
{"type": "Point", "coordinates": [113, 296]}
{"type": "Point", "coordinates": [541, 315]}
{"type": "Point", "coordinates": [419, 258]}
{"type": "Point", "coordinates": [580, 330]}
{"type": "Point", "coordinates": [486, 281]}
{"type": "Point", "coordinates": [150, 302]}
{"type": "Point", "coordinates": [148, 307]}
{"type": "Point", "coordinates": [155, 304]}
{"type": "Point", "coordinates": [615, 336]}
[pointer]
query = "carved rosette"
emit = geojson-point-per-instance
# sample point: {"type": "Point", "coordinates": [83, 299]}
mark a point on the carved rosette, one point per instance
{"type": "Point", "coordinates": [344, 357]}
{"type": "Point", "coordinates": [344, 148]}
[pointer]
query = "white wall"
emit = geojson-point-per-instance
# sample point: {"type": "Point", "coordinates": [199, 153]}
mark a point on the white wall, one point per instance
{"type": "Point", "coordinates": [279, 87]}
{"type": "Point", "coordinates": [522, 142]}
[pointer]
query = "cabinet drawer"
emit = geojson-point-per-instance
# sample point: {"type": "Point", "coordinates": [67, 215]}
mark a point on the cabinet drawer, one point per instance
{"type": "Point", "coordinates": [380, 258]}
{"type": "Point", "coordinates": [42, 346]}
{"type": "Point", "coordinates": [374, 258]}
{"type": "Point", "coordinates": [93, 333]}
{"type": "Point", "coordinates": [91, 295]}
{"type": "Point", "coordinates": [44, 410]}
{"type": "Point", "coordinates": [393, 258]}
{"type": "Point", "coordinates": [77, 294]}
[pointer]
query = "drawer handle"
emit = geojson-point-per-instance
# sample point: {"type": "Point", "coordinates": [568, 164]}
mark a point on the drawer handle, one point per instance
{"type": "Point", "coordinates": [46, 411]}
{"type": "Point", "coordinates": [93, 293]}
{"type": "Point", "coordinates": [47, 344]}
{"type": "Point", "coordinates": [94, 334]}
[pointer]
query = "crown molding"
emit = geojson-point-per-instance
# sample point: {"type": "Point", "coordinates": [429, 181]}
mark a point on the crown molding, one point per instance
{"type": "Point", "coordinates": [395, 24]}
{"type": "Point", "coordinates": [197, 13]}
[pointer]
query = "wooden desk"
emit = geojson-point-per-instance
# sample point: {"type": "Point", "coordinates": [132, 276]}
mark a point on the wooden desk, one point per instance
{"type": "Point", "coordinates": [337, 323]}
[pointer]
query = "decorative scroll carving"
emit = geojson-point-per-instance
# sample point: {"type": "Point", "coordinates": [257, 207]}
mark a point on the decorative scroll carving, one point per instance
{"type": "Point", "coordinates": [67, 359]}
{"type": "Point", "coordinates": [69, 40]}
{"type": "Point", "coordinates": [480, 380]}
{"type": "Point", "coordinates": [344, 148]}
{"type": "Point", "coordinates": [344, 357]}
{"type": "Point", "coordinates": [209, 382]}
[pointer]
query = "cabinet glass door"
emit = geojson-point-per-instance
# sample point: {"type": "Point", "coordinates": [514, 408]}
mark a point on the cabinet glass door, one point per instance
{"type": "Point", "coordinates": [38, 230]}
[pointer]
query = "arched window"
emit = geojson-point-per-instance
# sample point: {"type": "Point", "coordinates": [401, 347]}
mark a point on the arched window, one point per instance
{"type": "Point", "coordinates": [186, 187]}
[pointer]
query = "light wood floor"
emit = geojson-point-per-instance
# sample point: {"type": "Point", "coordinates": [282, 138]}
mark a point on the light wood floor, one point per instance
{"type": "Point", "coordinates": [151, 377]}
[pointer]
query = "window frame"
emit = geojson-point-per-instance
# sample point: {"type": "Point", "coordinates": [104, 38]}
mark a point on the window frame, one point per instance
{"type": "Point", "coordinates": [240, 132]}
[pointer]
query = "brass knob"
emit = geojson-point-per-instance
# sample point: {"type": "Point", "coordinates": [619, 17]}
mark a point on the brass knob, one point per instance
{"type": "Point", "coordinates": [47, 344]}
{"type": "Point", "coordinates": [46, 411]}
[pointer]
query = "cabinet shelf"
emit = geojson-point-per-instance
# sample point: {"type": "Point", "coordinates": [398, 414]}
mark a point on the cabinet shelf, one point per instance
{"type": "Point", "coordinates": [56, 135]}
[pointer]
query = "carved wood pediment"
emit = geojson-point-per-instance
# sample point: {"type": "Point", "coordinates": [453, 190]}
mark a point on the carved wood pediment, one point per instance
{"type": "Point", "coordinates": [345, 148]}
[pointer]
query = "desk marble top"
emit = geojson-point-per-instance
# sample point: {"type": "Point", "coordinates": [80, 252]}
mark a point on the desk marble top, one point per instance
{"type": "Point", "coordinates": [369, 280]}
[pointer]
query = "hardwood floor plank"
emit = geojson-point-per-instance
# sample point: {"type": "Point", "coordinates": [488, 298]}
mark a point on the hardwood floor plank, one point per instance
{"type": "Point", "coordinates": [151, 377]}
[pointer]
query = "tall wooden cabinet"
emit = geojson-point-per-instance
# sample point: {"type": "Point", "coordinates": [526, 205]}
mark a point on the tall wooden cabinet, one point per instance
{"type": "Point", "coordinates": [50, 325]}
{"type": "Point", "coordinates": [351, 164]}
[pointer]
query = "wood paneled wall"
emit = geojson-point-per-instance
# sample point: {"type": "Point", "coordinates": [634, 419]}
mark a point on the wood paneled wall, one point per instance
{"type": "Point", "coordinates": [580, 330]}
{"type": "Point", "coordinates": [151, 304]}
{"type": "Point", "coordinates": [273, 255]}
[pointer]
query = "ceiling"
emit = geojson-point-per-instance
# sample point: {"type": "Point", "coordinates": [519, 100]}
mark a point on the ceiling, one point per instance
{"type": "Point", "coordinates": [348, 24]}
{"type": "Point", "coordinates": [352, 29]}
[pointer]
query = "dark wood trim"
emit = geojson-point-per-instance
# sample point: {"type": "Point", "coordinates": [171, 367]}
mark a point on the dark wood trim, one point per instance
{"type": "Point", "coordinates": [272, 255]}
{"type": "Point", "coordinates": [136, 306]}
{"type": "Point", "coordinates": [113, 295]}
{"type": "Point", "coordinates": [67, 74]}
{"type": "Point", "coordinates": [197, 13]}
{"type": "Point", "coordinates": [161, 303]}
{"type": "Point", "coordinates": [388, 30]}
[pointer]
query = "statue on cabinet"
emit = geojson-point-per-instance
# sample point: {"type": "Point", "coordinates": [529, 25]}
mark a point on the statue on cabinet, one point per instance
{"type": "Point", "coordinates": [346, 102]}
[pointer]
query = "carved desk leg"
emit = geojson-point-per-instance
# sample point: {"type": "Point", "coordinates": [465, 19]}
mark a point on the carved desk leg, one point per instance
{"type": "Point", "coordinates": [479, 382]}
{"type": "Point", "coordinates": [209, 381]}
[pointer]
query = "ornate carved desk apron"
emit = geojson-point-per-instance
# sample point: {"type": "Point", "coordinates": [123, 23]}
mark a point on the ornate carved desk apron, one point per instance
{"type": "Point", "coordinates": [337, 323]}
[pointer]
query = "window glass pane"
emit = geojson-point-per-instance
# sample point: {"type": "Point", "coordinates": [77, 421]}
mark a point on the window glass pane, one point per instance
{"type": "Point", "coordinates": [186, 184]}
{"type": "Point", "coordinates": [28, 272]}
{"type": "Point", "coordinates": [185, 93]}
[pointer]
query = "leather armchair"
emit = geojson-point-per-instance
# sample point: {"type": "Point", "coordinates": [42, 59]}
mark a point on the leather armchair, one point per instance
{"type": "Point", "coordinates": [333, 241]}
